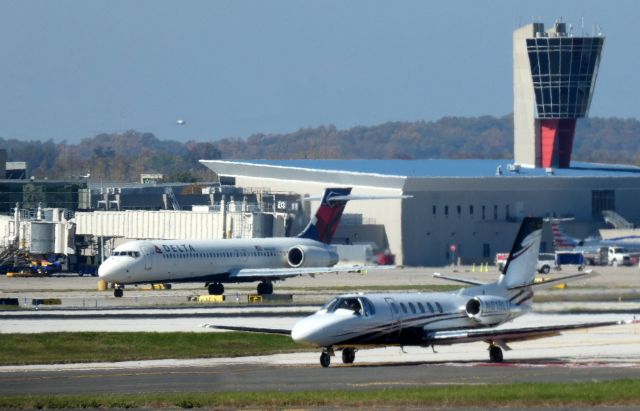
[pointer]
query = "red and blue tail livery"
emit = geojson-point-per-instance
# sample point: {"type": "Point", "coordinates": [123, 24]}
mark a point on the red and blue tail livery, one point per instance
{"type": "Point", "coordinates": [323, 225]}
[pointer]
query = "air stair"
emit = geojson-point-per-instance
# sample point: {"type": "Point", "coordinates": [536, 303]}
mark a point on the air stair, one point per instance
{"type": "Point", "coordinates": [616, 220]}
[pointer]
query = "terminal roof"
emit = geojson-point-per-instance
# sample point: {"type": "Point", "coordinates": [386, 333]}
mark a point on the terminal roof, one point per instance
{"type": "Point", "coordinates": [434, 168]}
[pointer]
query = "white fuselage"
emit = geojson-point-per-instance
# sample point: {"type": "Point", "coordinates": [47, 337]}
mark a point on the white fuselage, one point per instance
{"type": "Point", "coordinates": [397, 318]}
{"type": "Point", "coordinates": [184, 260]}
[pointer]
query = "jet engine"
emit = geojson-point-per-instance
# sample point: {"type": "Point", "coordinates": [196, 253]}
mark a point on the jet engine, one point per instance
{"type": "Point", "coordinates": [310, 256]}
{"type": "Point", "coordinates": [489, 310]}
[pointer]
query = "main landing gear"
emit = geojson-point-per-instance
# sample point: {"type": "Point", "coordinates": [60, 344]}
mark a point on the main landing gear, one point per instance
{"type": "Point", "coordinates": [215, 289]}
{"type": "Point", "coordinates": [265, 288]}
{"type": "Point", "coordinates": [348, 355]}
{"type": "Point", "coordinates": [495, 353]}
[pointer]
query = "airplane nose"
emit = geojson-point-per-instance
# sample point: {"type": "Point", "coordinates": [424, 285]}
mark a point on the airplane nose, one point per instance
{"type": "Point", "coordinates": [300, 332]}
{"type": "Point", "coordinates": [307, 330]}
{"type": "Point", "coordinates": [312, 330]}
{"type": "Point", "coordinates": [108, 270]}
{"type": "Point", "coordinates": [103, 271]}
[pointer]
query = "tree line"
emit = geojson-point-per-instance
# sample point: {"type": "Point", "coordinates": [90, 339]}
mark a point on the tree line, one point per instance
{"type": "Point", "coordinates": [123, 156]}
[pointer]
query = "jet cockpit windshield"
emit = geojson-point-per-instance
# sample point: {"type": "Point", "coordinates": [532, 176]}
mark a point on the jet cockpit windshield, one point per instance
{"type": "Point", "coordinates": [357, 305]}
{"type": "Point", "coordinates": [133, 254]}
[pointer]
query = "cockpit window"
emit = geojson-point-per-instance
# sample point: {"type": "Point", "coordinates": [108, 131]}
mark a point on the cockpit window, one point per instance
{"type": "Point", "coordinates": [351, 304]}
{"type": "Point", "coordinates": [329, 306]}
{"type": "Point", "coordinates": [133, 254]}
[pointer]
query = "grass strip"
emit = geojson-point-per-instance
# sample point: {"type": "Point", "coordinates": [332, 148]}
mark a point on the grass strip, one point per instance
{"type": "Point", "coordinates": [57, 348]}
{"type": "Point", "coordinates": [547, 395]}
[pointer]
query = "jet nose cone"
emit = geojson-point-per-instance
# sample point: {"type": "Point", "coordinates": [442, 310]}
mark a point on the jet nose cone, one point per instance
{"type": "Point", "coordinates": [313, 330]}
{"type": "Point", "coordinates": [308, 330]}
{"type": "Point", "coordinates": [299, 333]}
{"type": "Point", "coordinates": [107, 270]}
{"type": "Point", "coordinates": [103, 271]}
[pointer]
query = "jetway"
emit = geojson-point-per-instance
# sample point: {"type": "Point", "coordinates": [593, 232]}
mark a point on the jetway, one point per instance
{"type": "Point", "coordinates": [168, 224]}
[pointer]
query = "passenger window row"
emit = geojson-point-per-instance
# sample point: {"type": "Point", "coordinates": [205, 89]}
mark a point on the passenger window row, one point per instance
{"type": "Point", "coordinates": [420, 308]}
{"type": "Point", "coordinates": [224, 254]}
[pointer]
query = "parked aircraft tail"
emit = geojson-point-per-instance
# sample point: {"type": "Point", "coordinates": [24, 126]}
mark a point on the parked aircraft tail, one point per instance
{"type": "Point", "coordinates": [561, 240]}
{"type": "Point", "coordinates": [324, 223]}
{"type": "Point", "coordinates": [517, 280]}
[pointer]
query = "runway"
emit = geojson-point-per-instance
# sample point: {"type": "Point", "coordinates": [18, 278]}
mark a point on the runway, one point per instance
{"type": "Point", "coordinates": [261, 377]}
{"type": "Point", "coordinates": [607, 353]}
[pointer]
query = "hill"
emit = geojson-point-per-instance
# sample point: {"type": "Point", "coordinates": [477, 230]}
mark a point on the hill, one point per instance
{"type": "Point", "coordinates": [122, 157]}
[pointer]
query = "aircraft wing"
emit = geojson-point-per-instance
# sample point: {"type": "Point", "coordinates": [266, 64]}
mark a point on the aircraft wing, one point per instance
{"type": "Point", "coordinates": [458, 279]}
{"type": "Point", "coordinates": [509, 335]}
{"type": "Point", "coordinates": [277, 273]}
{"type": "Point", "coordinates": [249, 329]}
{"type": "Point", "coordinates": [550, 282]}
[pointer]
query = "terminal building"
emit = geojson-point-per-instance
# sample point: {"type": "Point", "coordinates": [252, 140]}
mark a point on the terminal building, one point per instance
{"type": "Point", "coordinates": [459, 208]}
{"type": "Point", "coordinates": [468, 210]}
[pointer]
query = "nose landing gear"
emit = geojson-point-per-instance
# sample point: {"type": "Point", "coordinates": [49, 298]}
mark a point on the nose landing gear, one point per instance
{"type": "Point", "coordinates": [118, 292]}
{"type": "Point", "coordinates": [325, 357]}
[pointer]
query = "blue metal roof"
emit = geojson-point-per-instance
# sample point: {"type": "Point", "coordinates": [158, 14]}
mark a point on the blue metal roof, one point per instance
{"type": "Point", "coordinates": [451, 168]}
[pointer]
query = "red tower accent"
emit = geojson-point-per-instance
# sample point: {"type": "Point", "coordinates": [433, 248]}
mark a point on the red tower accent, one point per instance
{"type": "Point", "coordinates": [556, 141]}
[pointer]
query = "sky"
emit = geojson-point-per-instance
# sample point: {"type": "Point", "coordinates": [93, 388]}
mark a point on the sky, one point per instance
{"type": "Point", "coordinates": [72, 69]}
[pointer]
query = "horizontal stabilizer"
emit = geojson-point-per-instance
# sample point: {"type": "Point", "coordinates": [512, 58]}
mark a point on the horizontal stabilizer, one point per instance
{"type": "Point", "coordinates": [249, 329]}
{"type": "Point", "coordinates": [358, 197]}
{"type": "Point", "coordinates": [557, 219]}
{"type": "Point", "coordinates": [458, 279]}
{"type": "Point", "coordinates": [550, 282]}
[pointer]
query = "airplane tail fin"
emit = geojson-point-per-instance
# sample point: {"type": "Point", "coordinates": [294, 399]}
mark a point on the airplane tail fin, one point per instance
{"type": "Point", "coordinates": [325, 222]}
{"type": "Point", "coordinates": [561, 240]}
{"type": "Point", "coordinates": [520, 268]}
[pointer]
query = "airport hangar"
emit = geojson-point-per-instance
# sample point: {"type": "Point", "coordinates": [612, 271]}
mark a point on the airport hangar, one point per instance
{"type": "Point", "coordinates": [470, 209]}
{"type": "Point", "coordinates": [474, 205]}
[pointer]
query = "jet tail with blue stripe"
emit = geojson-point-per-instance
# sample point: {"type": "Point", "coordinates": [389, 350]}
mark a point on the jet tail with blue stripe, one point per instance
{"type": "Point", "coordinates": [324, 223]}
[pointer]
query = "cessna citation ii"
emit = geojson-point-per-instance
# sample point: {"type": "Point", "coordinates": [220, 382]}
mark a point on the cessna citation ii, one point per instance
{"type": "Point", "coordinates": [234, 260]}
{"type": "Point", "coordinates": [356, 321]}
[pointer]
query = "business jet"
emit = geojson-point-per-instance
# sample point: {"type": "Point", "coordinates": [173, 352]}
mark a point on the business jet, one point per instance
{"type": "Point", "coordinates": [234, 260]}
{"type": "Point", "coordinates": [353, 321]}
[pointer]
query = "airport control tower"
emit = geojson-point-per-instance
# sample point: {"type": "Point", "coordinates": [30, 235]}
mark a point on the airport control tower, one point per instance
{"type": "Point", "coordinates": [554, 74]}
